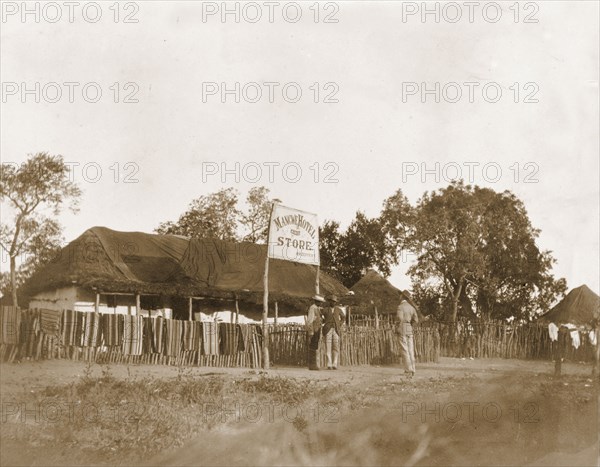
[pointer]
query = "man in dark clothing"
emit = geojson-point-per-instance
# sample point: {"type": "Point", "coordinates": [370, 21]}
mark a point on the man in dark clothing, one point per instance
{"type": "Point", "coordinates": [332, 325]}
{"type": "Point", "coordinates": [313, 332]}
{"type": "Point", "coordinates": [560, 349]}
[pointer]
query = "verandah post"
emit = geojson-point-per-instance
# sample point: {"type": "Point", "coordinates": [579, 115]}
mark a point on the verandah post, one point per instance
{"type": "Point", "coordinates": [265, 347]}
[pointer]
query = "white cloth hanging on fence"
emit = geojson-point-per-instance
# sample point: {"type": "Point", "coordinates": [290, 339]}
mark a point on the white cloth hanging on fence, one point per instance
{"type": "Point", "coordinates": [553, 331]}
{"type": "Point", "coordinates": [575, 338]}
{"type": "Point", "coordinates": [575, 341]}
{"type": "Point", "coordinates": [593, 337]}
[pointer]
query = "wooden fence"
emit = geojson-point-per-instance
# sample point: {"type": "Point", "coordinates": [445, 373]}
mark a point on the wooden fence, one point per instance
{"type": "Point", "coordinates": [489, 339]}
{"type": "Point", "coordinates": [370, 320]}
{"type": "Point", "coordinates": [497, 339]}
{"type": "Point", "coordinates": [23, 336]}
{"type": "Point", "coordinates": [359, 345]}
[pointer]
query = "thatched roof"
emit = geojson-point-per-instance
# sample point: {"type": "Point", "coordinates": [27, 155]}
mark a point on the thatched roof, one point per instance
{"type": "Point", "coordinates": [375, 290]}
{"type": "Point", "coordinates": [580, 306]}
{"type": "Point", "coordinates": [110, 261]}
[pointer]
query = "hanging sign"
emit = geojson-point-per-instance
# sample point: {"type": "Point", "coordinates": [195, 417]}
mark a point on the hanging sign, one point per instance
{"type": "Point", "coordinates": [293, 235]}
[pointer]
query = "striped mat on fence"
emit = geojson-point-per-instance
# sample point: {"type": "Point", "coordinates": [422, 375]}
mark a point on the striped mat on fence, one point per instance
{"type": "Point", "coordinates": [173, 336]}
{"type": "Point", "coordinates": [112, 329]}
{"type": "Point", "coordinates": [10, 325]}
{"type": "Point", "coordinates": [50, 322]}
{"type": "Point", "coordinates": [132, 335]}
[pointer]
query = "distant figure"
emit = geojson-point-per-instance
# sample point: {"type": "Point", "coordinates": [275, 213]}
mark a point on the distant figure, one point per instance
{"type": "Point", "coordinates": [332, 326]}
{"type": "Point", "coordinates": [596, 343]}
{"type": "Point", "coordinates": [407, 317]}
{"type": "Point", "coordinates": [560, 349]}
{"type": "Point", "coordinates": [468, 341]}
{"type": "Point", "coordinates": [313, 332]}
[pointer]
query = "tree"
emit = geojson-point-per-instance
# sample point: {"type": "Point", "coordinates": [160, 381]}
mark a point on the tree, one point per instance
{"type": "Point", "coordinates": [214, 215]}
{"type": "Point", "coordinates": [476, 250]}
{"type": "Point", "coordinates": [432, 299]}
{"type": "Point", "coordinates": [39, 185]}
{"type": "Point", "coordinates": [329, 244]}
{"type": "Point", "coordinates": [42, 248]}
{"type": "Point", "coordinates": [256, 220]}
{"type": "Point", "coordinates": [397, 221]}
{"type": "Point", "coordinates": [347, 255]}
{"type": "Point", "coordinates": [217, 215]}
{"type": "Point", "coordinates": [517, 280]}
{"type": "Point", "coordinates": [446, 236]}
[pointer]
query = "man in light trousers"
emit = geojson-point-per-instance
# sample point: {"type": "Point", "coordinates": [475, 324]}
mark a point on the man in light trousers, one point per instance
{"type": "Point", "coordinates": [313, 332]}
{"type": "Point", "coordinates": [332, 325]}
{"type": "Point", "coordinates": [407, 318]}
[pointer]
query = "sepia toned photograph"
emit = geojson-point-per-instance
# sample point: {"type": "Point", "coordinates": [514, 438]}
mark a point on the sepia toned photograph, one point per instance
{"type": "Point", "coordinates": [300, 233]}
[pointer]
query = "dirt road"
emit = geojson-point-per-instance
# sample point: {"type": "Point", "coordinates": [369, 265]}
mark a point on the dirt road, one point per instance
{"type": "Point", "coordinates": [456, 412]}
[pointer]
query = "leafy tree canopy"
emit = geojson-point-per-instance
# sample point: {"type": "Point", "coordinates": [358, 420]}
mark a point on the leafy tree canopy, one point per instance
{"type": "Point", "coordinates": [217, 215]}
{"type": "Point", "coordinates": [477, 253]}
{"type": "Point", "coordinates": [32, 195]}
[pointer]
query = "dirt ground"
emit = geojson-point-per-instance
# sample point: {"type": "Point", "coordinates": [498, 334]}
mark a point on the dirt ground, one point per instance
{"type": "Point", "coordinates": [456, 412]}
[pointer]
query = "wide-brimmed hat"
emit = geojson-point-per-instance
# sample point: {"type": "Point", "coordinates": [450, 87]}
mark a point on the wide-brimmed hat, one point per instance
{"type": "Point", "coordinates": [333, 298]}
{"type": "Point", "coordinates": [318, 298]}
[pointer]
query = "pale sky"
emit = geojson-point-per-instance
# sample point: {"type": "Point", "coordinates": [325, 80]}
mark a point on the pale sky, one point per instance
{"type": "Point", "coordinates": [378, 137]}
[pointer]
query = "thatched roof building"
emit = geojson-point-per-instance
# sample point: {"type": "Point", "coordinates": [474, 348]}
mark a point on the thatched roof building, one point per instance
{"type": "Point", "coordinates": [168, 269]}
{"type": "Point", "coordinates": [374, 290]}
{"type": "Point", "coordinates": [580, 306]}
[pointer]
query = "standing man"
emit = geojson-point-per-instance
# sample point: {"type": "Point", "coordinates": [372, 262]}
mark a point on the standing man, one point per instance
{"type": "Point", "coordinates": [560, 349]}
{"type": "Point", "coordinates": [407, 318]}
{"type": "Point", "coordinates": [313, 332]}
{"type": "Point", "coordinates": [332, 325]}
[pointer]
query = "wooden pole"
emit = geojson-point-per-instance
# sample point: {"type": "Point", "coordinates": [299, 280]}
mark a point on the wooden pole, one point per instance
{"type": "Point", "coordinates": [97, 304]}
{"type": "Point", "coordinates": [265, 329]}
{"type": "Point", "coordinates": [276, 313]}
{"type": "Point", "coordinates": [190, 309]}
{"type": "Point", "coordinates": [138, 305]}
{"type": "Point", "coordinates": [237, 312]}
{"type": "Point", "coordinates": [265, 347]}
{"type": "Point", "coordinates": [376, 318]}
{"type": "Point", "coordinates": [317, 284]}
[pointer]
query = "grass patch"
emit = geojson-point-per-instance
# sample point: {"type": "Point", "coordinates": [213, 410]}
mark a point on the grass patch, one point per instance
{"type": "Point", "coordinates": [280, 389]}
{"type": "Point", "coordinates": [126, 418]}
